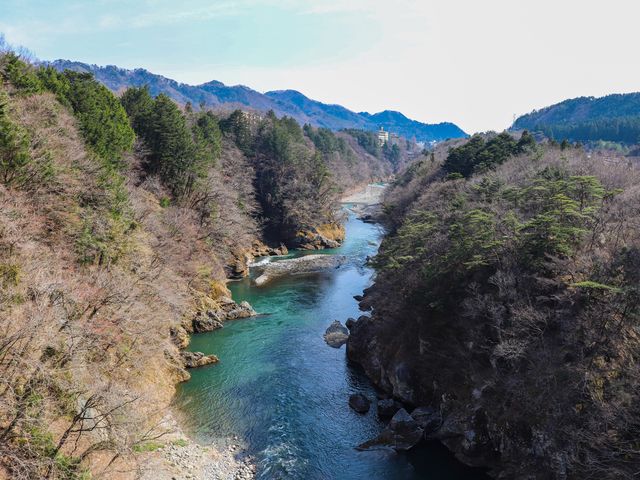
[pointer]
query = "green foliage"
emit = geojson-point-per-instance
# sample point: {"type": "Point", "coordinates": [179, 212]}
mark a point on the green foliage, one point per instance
{"type": "Point", "coordinates": [63, 466]}
{"type": "Point", "coordinates": [473, 243]}
{"type": "Point", "coordinates": [624, 130]}
{"type": "Point", "coordinates": [478, 155]}
{"type": "Point", "coordinates": [614, 118]}
{"type": "Point", "coordinates": [103, 120]}
{"type": "Point", "coordinates": [171, 145]}
{"type": "Point", "coordinates": [294, 186]}
{"type": "Point", "coordinates": [173, 154]}
{"type": "Point", "coordinates": [463, 160]}
{"type": "Point", "coordinates": [21, 75]}
{"type": "Point", "coordinates": [237, 127]}
{"type": "Point", "coordinates": [326, 141]}
{"type": "Point", "coordinates": [563, 208]}
{"type": "Point", "coordinates": [147, 447]}
{"type": "Point", "coordinates": [181, 149]}
{"type": "Point", "coordinates": [9, 275]}
{"type": "Point", "coordinates": [208, 139]}
{"type": "Point", "coordinates": [56, 83]}
{"type": "Point", "coordinates": [548, 217]}
{"type": "Point", "coordinates": [14, 148]}
{"type": "Point", "coordinates": [392, 154]}
{"type": "Point", "coordinates": [138, 104]}
{"type": "Point", "coordinates": [367, 140]}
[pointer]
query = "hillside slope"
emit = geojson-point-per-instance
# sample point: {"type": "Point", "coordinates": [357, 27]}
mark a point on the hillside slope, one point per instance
{"type": "Point", "coordinates": [507, 304]}
{"type": "Point", "coordinates": [285, 102]}
{"type": "Point", "coordinates": [588, 119]}
{"type": "Point", "coordinates": [120, 221]}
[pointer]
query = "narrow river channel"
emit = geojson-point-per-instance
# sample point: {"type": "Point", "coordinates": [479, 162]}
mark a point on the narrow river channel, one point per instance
{"type": "Point", "coordinates": [280, 389]}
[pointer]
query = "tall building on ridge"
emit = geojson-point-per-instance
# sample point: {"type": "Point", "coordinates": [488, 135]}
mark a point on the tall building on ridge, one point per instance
{"type": "Point", "coordinates": [383, 137]}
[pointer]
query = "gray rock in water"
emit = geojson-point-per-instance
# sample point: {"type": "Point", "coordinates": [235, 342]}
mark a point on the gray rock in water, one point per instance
{"type": "Point", "coordinates": [402, 433]}
{"type": "Point", "coordinates": [300, 265]}
{"type": "Point", "coordinates": [359, 403]}
{"type": "Point", "coordinates": [336, 335]}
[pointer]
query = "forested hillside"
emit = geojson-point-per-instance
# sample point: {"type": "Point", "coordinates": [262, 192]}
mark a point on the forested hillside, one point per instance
{"type": "Point", "coordinates": [614, 118]}
{"type": "Point", "coordinates": [507, 301]}
{"type": "Point", "coordinates": [215, 94]}
{"type": "Point", "coordinates": [120, 221]}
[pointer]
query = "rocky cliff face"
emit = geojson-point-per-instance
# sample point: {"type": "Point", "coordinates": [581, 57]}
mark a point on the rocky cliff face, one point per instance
{"type": "Point", "coordinates": [321, 237]}
{"type": "Point", "coordinates": [400, 358]}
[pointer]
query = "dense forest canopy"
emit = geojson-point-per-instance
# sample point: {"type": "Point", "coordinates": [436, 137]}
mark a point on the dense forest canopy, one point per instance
{"type": "Point", "coordinates": [479, 155]}
{"type": "Point", "coordinates": [614, 118]}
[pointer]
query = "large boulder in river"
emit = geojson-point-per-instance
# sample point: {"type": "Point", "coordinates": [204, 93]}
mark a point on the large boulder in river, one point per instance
{"type": "Point", "coordinates": [359, 403]}
{"type": "Point", "coordinates": [336, 335]}
{"type": "Point", "coordinates": [402, 433]}
{"type": "Point", "coordinates": [300, 265]}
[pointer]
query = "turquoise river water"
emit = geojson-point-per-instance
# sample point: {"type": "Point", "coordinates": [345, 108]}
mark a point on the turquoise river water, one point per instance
{"type": "Point", "coordinates": [281, 390]}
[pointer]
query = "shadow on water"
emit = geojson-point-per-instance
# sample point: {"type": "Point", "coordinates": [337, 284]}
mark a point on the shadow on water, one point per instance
{"type": "Point", "coordinates": [282, 390]}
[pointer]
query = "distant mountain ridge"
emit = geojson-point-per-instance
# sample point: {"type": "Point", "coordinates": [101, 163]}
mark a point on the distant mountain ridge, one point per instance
{"type": "Point", "coordinates": [614, 118]}
{"type": "Point", "coordinates": [216, 94]}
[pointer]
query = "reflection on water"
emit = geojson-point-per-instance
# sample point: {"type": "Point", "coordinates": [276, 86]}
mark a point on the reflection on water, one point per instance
{"type": "Point", "coordinates": [279, 387]}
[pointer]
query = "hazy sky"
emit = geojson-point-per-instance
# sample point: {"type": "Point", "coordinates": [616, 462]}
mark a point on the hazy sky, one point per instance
{"type": "Point", "coordinates": [473, 62]}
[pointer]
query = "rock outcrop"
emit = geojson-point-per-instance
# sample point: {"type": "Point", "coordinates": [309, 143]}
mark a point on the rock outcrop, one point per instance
{"type": "Point", "coordinates": [359, 402]}
{"type": "Point", "coordinates": [388, 407]}
{"type": "Point", "coordinates": [402, 433]}
{"type": "Point", "coordinates": [318, 238]}
{"type": "Point", "coordinates": [206, 321]}
{"type": "Point", "coordinates": [242, 259]}
{"type": "Point", "coordinates": [224, 309]}
{"type": "Point", "coordinates": [300, 265]}
{"type": "Point", "coordinates": [210, 319]}
{"type": "Point", "coordinates": [428, 418]}
{"type": "Point", "coordinates": [197, 359]}
{"type": "Point", "coordinates": [336, 335]}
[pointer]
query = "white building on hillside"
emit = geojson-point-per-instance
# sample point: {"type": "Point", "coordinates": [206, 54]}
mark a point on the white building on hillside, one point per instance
{"type": "Point", "coordinates": [383, 137]}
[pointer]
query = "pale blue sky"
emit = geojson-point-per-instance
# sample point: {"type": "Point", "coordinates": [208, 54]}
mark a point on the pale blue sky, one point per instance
{"type": "Point", "coordinates": [476, 63]}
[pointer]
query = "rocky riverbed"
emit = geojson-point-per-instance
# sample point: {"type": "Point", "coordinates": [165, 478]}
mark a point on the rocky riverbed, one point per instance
{"type": "Point", "coordinates": [190, 461]}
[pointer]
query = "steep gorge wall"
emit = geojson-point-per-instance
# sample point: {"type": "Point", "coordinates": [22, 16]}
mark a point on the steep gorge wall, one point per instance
{"type": "Point", "coordinates": [508, 303]}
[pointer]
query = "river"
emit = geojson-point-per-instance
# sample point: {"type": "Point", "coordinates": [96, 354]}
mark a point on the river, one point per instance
{"type": "Point", "coordinates": [284, 392]}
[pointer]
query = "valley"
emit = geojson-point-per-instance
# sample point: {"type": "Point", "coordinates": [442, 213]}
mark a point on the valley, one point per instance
{"type": "Point", "coordinates": [209, 282]}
